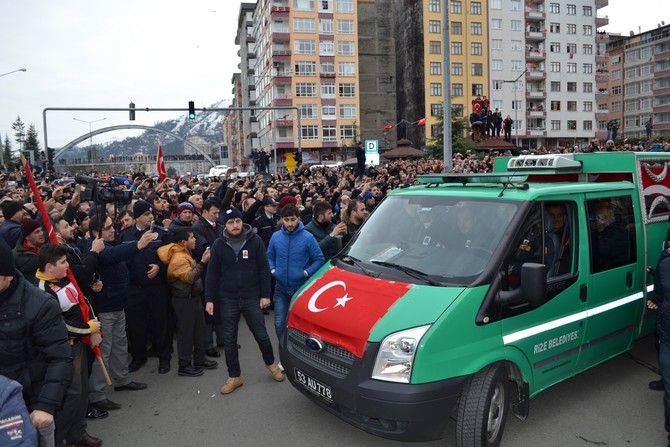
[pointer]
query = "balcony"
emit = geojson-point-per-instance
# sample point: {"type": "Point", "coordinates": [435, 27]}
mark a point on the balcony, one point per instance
{"type": "Point", "coordinates": [283, 123]}
{"type": "Point", "coordinates": [281, 33]}
{"type": "Point", "coordinates": [534, 14]}
{"type": "Point", "coordinates": [536, 75]}
{"type": "Point", "coordinates": [602, 21]}
{"type": "Point", "coordinates": [601, 3]}
{"type": "Point", "coordinates": [281, 55]}
{"type": "Point", "coordinates": [281, 79]}
{"type": "Point", "coordinates": [283, 101]}
{"type": "Point", "coordinates": [327, 75]}
{"type": "Point", "coordinates": [280, 11]}
{"type": "Point", "coordinates": [602, 93]}
{"type": "Point", "coordinates": [602, 112]}
{"type": "Point", "coordinates": [535, 34]}
{"type": "Point", "coordinates": [602, 76]}
{"type": "Point", "coordinates": [535, 55]}
{"type": "Point", "coordinates": [536, 94]}
{"type": "Point", "coordinates": [537, 132]}
{"type": "Point", "coordinates": [602, 58]}
{"type": "Point", "coordinates": [602, 37]}
{"type": "Point", "coordinates": [536, 114]}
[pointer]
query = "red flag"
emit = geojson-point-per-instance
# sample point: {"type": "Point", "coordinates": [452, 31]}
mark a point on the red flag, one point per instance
{"type": "Point", "coordinates": [389, 127]}
{"type": "Point", "coordinates": [83, 304]}
{"type": "Point", "coordinates": [342, 307]}
{"type": "Point", "coordinates": [421, 122]}
{"type": "Point", "coordinates": [160, 165]}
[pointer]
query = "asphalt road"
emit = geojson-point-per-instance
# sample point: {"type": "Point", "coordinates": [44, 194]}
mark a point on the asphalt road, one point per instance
{"type": "Point", "coordinates": [607, 406]}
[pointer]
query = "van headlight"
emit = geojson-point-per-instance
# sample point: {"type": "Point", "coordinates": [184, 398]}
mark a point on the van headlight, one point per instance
{"type": "Point", "coordinates": [396, 355]}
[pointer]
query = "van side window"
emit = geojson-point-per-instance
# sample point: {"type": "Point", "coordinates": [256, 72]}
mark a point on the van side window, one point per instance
{"type": "Point", "coordinates": [612, 241]}
{"type": "Point", "coordinates": [562, 227]}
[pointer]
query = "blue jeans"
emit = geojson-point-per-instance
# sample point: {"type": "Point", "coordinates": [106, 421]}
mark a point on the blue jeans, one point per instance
{"type": "Point", "coordinates": [282, 301]}
{"type": "Point", "coordinates": [231, 311]}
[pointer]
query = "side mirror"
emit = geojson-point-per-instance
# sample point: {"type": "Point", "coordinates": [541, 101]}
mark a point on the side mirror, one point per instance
{"type": "Point", "coordinates": [534, 283]}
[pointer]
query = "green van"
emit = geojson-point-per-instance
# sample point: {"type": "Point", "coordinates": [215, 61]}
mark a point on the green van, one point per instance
{"type": "Point", "coordinates": [471, 294]}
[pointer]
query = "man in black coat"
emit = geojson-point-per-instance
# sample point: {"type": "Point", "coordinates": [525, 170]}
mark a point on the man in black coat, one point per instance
{"type": "Point", "coordinates": [34, 350]}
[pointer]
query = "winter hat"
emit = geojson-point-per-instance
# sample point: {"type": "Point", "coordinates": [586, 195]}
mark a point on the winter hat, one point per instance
{"type": "Point", "coordinates": [184, 206]}
{"type": "Point", "coordinates": [286, 200]}
{"type": "Point", "coordinates": [141, 207]}
{"type": "Point", "coordinates": [81, 216]}
{"type": "Point", "coordinates": [269, 201]}
{"type": "Point", "coordinates": [29, 225]}
{"type": "Point", "coordinates": [11, 208]}
{"type": "Point", "coordinates": [231, 213]}
{"type": "Point", "coordinates": [6, 260]}
{"type": "Point", "coordinates": [368, 195]}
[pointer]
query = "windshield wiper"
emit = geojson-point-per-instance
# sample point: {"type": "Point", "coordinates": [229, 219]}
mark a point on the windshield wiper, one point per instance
{"type": "Point", "coordinates": [417, 274]}
{"type": "Point", "coordinates": [347, 259]}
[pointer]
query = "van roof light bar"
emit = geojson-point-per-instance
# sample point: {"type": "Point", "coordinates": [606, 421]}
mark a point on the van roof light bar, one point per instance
{"type": "Point", "coordinates": [464, 179]}
{"type": "Point", "coordinates": [550, 161]}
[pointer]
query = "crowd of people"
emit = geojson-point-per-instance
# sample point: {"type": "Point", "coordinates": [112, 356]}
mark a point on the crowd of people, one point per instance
{"type": "Point", "coordinates": [180, 259]}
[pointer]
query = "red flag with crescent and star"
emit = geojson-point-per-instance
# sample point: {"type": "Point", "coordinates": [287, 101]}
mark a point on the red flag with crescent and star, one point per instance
{"type": "Point", "coordinates": [342, 307]}
{"type": "Point", "coordinates": [160, 165]}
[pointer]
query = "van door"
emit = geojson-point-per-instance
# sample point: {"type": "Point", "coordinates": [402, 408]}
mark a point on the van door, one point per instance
{"type": "Point", "coordinates": [549, 335]}
{"type": "Point", "coordinates": [614, 294]}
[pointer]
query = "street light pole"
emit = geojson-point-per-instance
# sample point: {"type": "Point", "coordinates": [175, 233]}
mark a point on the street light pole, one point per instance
{"type": "Point", "coordinates": [90, 135]}
{"type": "Point", "coordinates": [13, 71]}
{"type": "Point", "coordinates": [516, 107]}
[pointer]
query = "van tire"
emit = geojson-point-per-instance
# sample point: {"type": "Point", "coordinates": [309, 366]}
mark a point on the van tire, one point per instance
{"type": "Point", "coordinates": [483, 408]}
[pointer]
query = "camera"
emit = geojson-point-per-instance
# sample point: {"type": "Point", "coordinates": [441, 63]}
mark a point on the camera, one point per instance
{"type": "Point", "coordinates": [102, 191]}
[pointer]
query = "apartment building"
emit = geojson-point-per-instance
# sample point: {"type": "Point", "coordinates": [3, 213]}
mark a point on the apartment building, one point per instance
{"type": "Point", "coordinates": [245, 89]}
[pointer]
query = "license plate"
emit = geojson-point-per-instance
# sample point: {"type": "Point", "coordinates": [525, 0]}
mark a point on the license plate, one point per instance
{"type": "Point", "coordinates": [320, 389]}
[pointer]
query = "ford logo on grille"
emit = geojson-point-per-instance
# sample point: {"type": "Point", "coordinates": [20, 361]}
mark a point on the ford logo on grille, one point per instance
{"type": "Point", "coordinates": [314, 344]}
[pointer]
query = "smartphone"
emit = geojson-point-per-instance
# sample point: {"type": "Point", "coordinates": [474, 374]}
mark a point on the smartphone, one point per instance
{"type": "Point", "coordinates": [151, 227]}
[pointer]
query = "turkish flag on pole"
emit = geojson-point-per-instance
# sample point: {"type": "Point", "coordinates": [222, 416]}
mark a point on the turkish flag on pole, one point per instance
{"type": "Point", "coordinates": [421, 122]}
{"type": "Point", "coordinates": [342, 307]}
{"type": "Point", "coordinates": [389, 127]}
{"type": "Point", "coordinates": [160, 165]}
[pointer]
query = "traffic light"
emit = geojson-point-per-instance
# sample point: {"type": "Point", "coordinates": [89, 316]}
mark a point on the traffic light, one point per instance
{"type": "Point", "coordinates": [51, 153]}
{"type": "Point", "coordinates": [191, 110]}
{"type": "Point", "coordinates": [297, 156]}
{"type": "Point", "coordinates": [132, 111]}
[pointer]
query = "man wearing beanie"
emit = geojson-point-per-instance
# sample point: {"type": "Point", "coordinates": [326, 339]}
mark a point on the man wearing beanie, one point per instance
{"type": "Point", "coordinates": [10, 230]}
{"type": "Point", "coordinates": [41, 318]}
{"type": "Point", "coordinates": [25, 252]}
{"type": "Point", "coordinates": [183, 216]}
{"type": "Point", "coordinates": [238, 278]}
{"type": "Point", "coordinates": [148, 301]}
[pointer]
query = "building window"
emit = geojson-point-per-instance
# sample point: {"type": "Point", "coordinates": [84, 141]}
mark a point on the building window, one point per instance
{"type": "Point", "coordinates": [476, 48]}
{"type": "Point", "coordinates": [555, 67]}
{"type": "Point", "coordinates": [326, 6]}
{"type": "Point", "coordinates": [554, 8]}
{"type": "Point", "coordinates": [457, 68]}
{"type": "Point", "coordinates": [616, 75]}
{"type": "Point", "coordinates": [572, 125]}
{"type": "Point", "coordinates": [345, 48]}
{"type": "Point", "coordinates": [346, 68]}
{"type": "Point", "coordinates": [304, 47]}
{"type": "Point", "coordinates": [326, 48]}
{"type": "Point", "coordinates": [329, 133]}
{"type": "Point", "coordinates": [515, 25]}
{"type": "Point", "coordinates": [496, 44]}
{"type": "Point", "coordinates": [497, 85]}
{"type": "Point", "coordinates": [328, 112]}
{"type": "Point", "coordinates": [571, 67]}
{"type": "Point", "coordinates": [328, 91]}
{"type": "Point", "coordinates": [345, 6]}
{"type": "Point", "coordinates": [347, 110]}
{"type": "Point", "coordinates": [572, 86]}
{"type": "Point", "coordinates": [434, 5]}
{"type": "Point", "coordinates": [572, 106]}
{"type": "Point", "coordinates": [587, 125]}
{"type": "Point", "coordinates": [305, 68]}
{"type": "Point", "coordinates": [496, 23]}
{"type": "Point", "coordinates": [588, 68]}
{"type": "Point", "coordinates": [326, 26]}
{"type": "Point", "coordinates": [495, 4]}
{"type": "Point", "coordinates": [456, 7]}
{"type": "Point", "coordinates": [328, 68]}
{"type": "Point", "coordinates": [436, 68]}
{"type": "Point", "coordinates": [303, 25]}
{"type": "Point", "coordinates": [345, 27]}
{"type": "Point", "coordinates": [588, 30]}
{"type": "Point", "coordinates": [555, 47]}
{"type": "Point", "coordinates": [477, 89]}
{"type": "Point", "coordinates": [616, 106]}
{"type": "Point", "coordinates": [555, 106]}
{"type": "Point", "coordinates": [306, 89]}
{"type": "Point", "coordinates": [456, 28]}
{"type": "Point", "coordinates": [554, 27]}
{"type": "Point", "coordinates": [515, 5]}
{"type": "Point", "coordinates": [348, 132]}
{"type": "Point", "coordinates": [435, 130]}
{"type": "Point", "coordinates": [616, 90]}
{"type": "Point", "coordinates": [588, 87]}
{"type": "Point", "coordinates": [587, 11]}
{"type": "Point", "coordinates": [456, 89]}
{"type": "Point", "coordinates": [476, 28]}
{"type": "Point", "coordinates": [571, 10]}
{"type": "Point", "coordinates": [555, 86]}
{"type": "Point", "coordinates": [434, 26]}
{"type": "Point", "coordinates": [571, 47]}
{"type": "Point", "coordinates": [308, 111]}
{"type": "Point", "coordinates": [477, 69]}
{"type": "Point", "coordinates": [309, 132]}
{"type": "Point", "coordinates": [347, 90]}
{"type": "Point", "coordinates": [435, 47]}
{"type": "Point", "coordinates": [457, 109]}
{"type": "Point", "coordinates": [496, 64]}
{"type": "Point", "coordinates": [303, 5]}
{"type": "Point", "coordinates": [436, 109]}
{"type": "Point", "coordinates": [572, 28]}
{"type": "Point", "coordinates": [516, 65]}
{"type": "Point", "coordinates": [587, 48]}
{"type": "Point", "coordinates": [588, 106]}
{"type": "Point", "coordinates": [515, 45]}
{"type": "Point", "coordinates": [435, 89]}
{"type": "Point", "coordinates": [475, 8]}
{"type": "Point", "coordinates": [456, 48]}
{"type": "Point", "coordinates": [555, 125]}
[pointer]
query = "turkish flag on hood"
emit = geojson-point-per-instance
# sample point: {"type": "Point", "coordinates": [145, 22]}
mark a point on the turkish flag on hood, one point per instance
{"type": "Point", "coordinates": [342, 307]}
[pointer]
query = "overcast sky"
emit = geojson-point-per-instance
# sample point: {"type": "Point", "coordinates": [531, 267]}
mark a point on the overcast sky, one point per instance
{"type": "Point", "coordinates": [156, 53]}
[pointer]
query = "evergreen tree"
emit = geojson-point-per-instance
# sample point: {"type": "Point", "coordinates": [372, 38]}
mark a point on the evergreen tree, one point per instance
{"type": "Point", "coordinates": [19, 128]}
{"type": "Point", "coordinates": [7, 154]}
{"type": "Point", "coordinates": [459, 142]}
{"type": "Point", "coordinates": [32, 143]}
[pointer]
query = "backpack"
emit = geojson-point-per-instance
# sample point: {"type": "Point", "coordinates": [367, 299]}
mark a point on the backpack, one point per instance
{"type": "Point", "coordinates": [16, 428]}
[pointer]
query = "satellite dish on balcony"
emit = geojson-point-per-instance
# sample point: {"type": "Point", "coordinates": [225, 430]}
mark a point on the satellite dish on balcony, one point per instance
{"type": "Point", "coordinates": [631, 33]}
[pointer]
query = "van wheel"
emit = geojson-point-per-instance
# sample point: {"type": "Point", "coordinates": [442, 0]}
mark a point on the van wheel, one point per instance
{"type": "Point", "coordinates": [483, 408]}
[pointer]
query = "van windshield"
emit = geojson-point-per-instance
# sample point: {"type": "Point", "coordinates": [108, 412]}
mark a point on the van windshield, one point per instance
{"type": "Point", "coordinates": [446, 239]}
